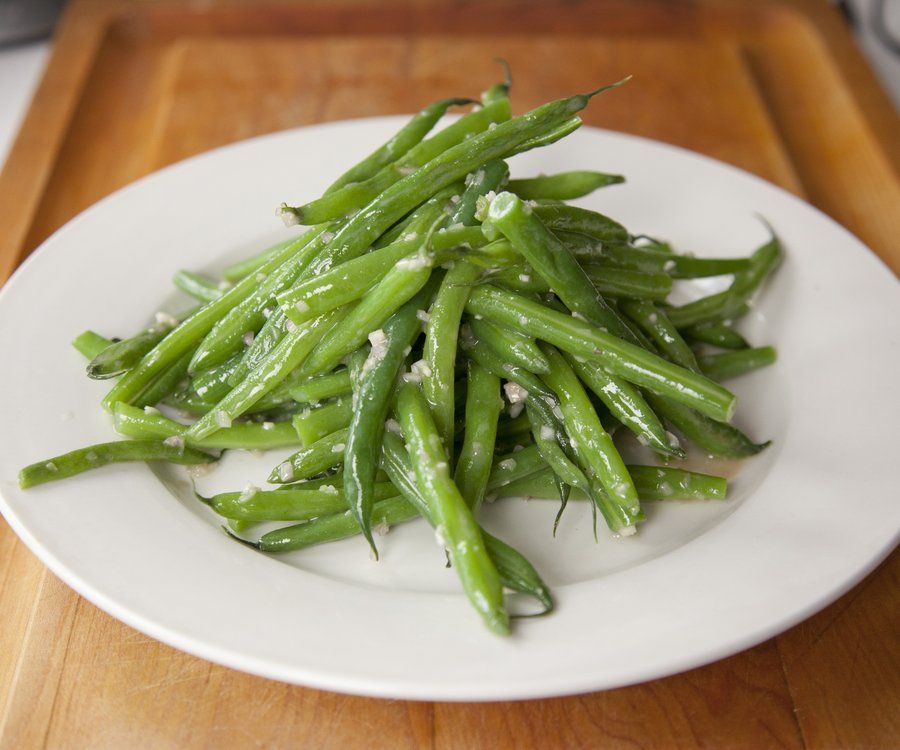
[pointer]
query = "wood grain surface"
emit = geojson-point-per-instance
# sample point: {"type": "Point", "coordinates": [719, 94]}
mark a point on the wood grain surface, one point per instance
{"type": "Point", "coordinates": [776, 88]}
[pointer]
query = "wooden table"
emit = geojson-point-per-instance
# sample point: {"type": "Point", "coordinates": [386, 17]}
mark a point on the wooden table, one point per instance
{"type": "Point", "coordinates": [776, 88]}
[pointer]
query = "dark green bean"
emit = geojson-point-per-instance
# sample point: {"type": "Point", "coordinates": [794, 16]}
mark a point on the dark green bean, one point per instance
{"type": "Point", "coordinates": [716, 334]}
{"type": "Point", "coordinates": [511, 346]}
{"type": "Point", "coordinates": [733, 364]}
{"type": "Point", "coordinates": [199, 287]}
{"type": "Point", "coordinates": [314, 424]}
{"type": "Point", "coordinates": [322, 455]}
{"type": "Point", "coordinates": [90, 344]}
{"type": "Point", "coordinates": [563, 186]}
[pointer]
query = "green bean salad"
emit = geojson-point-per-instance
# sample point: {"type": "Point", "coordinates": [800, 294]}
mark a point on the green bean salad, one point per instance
{"type": "Point", "coordinates": [441, 336]}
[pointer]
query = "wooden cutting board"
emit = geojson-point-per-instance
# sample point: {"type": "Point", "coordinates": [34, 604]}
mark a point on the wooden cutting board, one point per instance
{"type": "Point", "coordinates": [775, 88]}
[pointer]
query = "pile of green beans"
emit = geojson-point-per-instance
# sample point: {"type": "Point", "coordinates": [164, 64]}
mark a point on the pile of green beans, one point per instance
{"type": "Point", "coordinates": [440, 337]}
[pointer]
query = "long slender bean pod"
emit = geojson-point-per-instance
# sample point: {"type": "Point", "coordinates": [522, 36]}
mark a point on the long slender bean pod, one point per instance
{"type": "Point", "coordinates": [728, 365]}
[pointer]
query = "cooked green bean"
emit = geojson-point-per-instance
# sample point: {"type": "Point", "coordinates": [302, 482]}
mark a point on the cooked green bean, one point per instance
{"type": "Point", "coordinates": [619, 357]}
{"type": "Point", "coordinates": [372, 398]}
{"type": "Point", "coordinates": [511, 346]}
{"type": "Point", "coordinates": [142, 423]}
{"type": "Point", "coordinates": [89, 344]}
{"type": "Point", "coordinates": [199, 287]}
{"type": "Point", "coordinates": [455, 526]}
{"type": "Point", "coordinates": [321, 387]}
{"type": "Point", "coordinates": [626, 404]}
{"type": "Point", "coordinates": [655, 323]}
{"type": "Point", "coordinates": [237, 271]}
{"type": "Point", "coordinates": [491, 362]}
{"type": "Point", "coordinates": [724, 304]}
{"type": "Point", "coordinates": [399, 144]}
{"type": "Point", "coordinates": [322, 455]}
{"type": "Point", "coordinates": [314, 424]}
{"type": "Point", "coordinates": [716, 334]}
{"type": "Point", "coordinates": [102, 454]}
{"type": "Point", "coordinates": [331, 528]}
{"type": "Point", "coordinates": [294, 503]}
{"type": "Point", "coordinates": [121, 356]}
{"type": "Point", "coordinates": [592, 444]}
{"type": "Point", "coordinates": [563, 186]}
{"type": "Point", "coordinates": [483, 404]}
{"type": "Point", "coordinates": [516, 573]}
{"type": "Point", "coordinates": [733, 364]}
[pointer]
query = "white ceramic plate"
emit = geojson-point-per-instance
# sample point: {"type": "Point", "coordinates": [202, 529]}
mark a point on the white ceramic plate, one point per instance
{"type": "Point", "coordinates": [807, 519]}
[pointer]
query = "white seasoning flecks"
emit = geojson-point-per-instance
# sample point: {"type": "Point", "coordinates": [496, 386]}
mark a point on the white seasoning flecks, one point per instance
{"type": "Point", "coordinates": [260, 276]}
{"type": "Point", "coordinates": [248, 492]}
{"type": "Point", "coordinates": [507, 464]}
{"type": "Point", "coordinates": [516, 409]}
{"type": "Point", "coordinates": [301, 306]}
{"type": "Point", "coordinates": [421, 368]}
{"type": "Point", "coordinates": [268, 425]}
{"type": "Point", "coordinates": [338, 448]}
{"type": "Point", "coordinates": [175, 441]}
{"type": "Point", "coordinates": [423, 315]}
{"type": "Point", "coordinates": [50, 466]}
{"type": "Point", "coordinates": [223, 419]}
{"type": "Point", "coordinates": [287, 216]}
{"type": "Point", "coordinates": [524, 278]}
{"type": "Point", "coordinates": [652, 317]}
{"type": "Point", "coordinates": [286, 471]}
{"type": "Point", "coordinates": [625, 531]}
{"type": "Point", "coordinates": [248, 337]}
{"type": "Point", "coordinates": [382, 528]}
{"type": "Point", "coordinates": [151, 410]}
{"type": "Point", "coordinates": [579, 316]}
{"type": "Point", "coordinates": [669, 265]}
{"type": "Point", "coordinates": [409, 237]}
{"type": "Point", "coordinates": [329, 489]}
{"type": "Point", "coordinates": [164, 318]}
{"type": "Point", "coordinates": [547, 432]}
{"type": "Point", "coordinates": [392, 425]}
{"type": "Point", "coordinates": [327, 237]}
{"type": "Point", "coordinates": [515, 393]}
{"type": "Point", "coordinates": [523, 320]}
{"type": "Point", "coordinates": [406, 170]}
{"type": "Point", "coordinates": [267, 312]}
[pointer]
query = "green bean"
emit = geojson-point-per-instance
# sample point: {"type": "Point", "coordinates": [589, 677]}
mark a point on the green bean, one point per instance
{"type": "Point", "coordinates": [102, 454]}
{"type": "Point", "coordinates": [480, 182]}
{"type": "Point", "coordinates": [199, 287]}
{"type": "Point", "coordinates": [314, 424]}
{"type": "Point", "coordinates": [563, 186]}
{"type": "Point", "coordinates": [553, 445]}
{"type": "Point", "coordinates": [626, 404]}
{"type": "Point", "coordinates": [121, 356]}
{"type": "Point", "coordinates": [286, 503]}
{"type": "Point", "coordinates": [322, 455]}
{"type": "Point", "coordinates": [593, 445]}
{"type": "Point", "coordinates": [724, 304]}
{"type": "Point", "coordinates": [715, 438]}
{"type": "Point", "coordinates": [619, 357]}
{"type": "Point", "coordinates": [227, 335]}
{"type": "Point", "coordinates": [553, 135]}
{"type": "Point", "coordinates": [292, 350]}
{"type": "Point", "coordinates": [516, 573]}
{"type": "Point", "coordinates": [321, 387]}
{"type": "Point", "coordinates": [372, 398]}
{"type": "Point", "coordinates": [334, 527]}
{"type": "Point", "coordinates": [550, 258]}
{"type": "Point", "coordinates": [353, 197]}
{"type": "Point", "coordinates": [491, 362]}
{"type": "Point", "coordinates": [401, 284]}
{"type": "Point", "coordinates": [237, 271]}
{"type": "Point", "coordinates": [733, 364]}
{"type": "Point", "coordinates": [666, 483]}
{"type": "Point", "coordinates": [483, 404]}
{"type": "Point", "coordinates": [453, 164]}
{"type": "Point", "coordinates": [653, 483]}
{"type": "Point", "coordinates": [344, 283]}
{"type": "Point", "coordinates": [512, 466]}
{"type": "Point", "coordinates": [624, 282]}
{"type": "Point", "coordinates": [511, 346]}
{"type": "Point", "coordinates": [261, 345]}
{"type": "Point", "coordinates": [140, 423]}
{"type": "Point", "coordinates": [657, 325]}
{"type": "Point", "coordinates": [582, 221]}
{"type": "Point", "coordinates": [689, 267]}
{"type": "Point", "coordinates": [716, 334]}
{"type": "Point", "coordinates": [455, 526]}
{"type": "Point", "coordinates": [399, 144]}
{"type": "Point", "coordinates": [165, 384]}
{"type": "Point", "coordinates": [212, 384]}
{"type": "Point", "coordinates": [89, 344]}
{"type": "Point", "coordinates": [186, 336]}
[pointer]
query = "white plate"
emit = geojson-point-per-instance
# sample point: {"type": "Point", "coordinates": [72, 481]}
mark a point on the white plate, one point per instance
{"type": "Point", "coordinates": [807, 519]}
